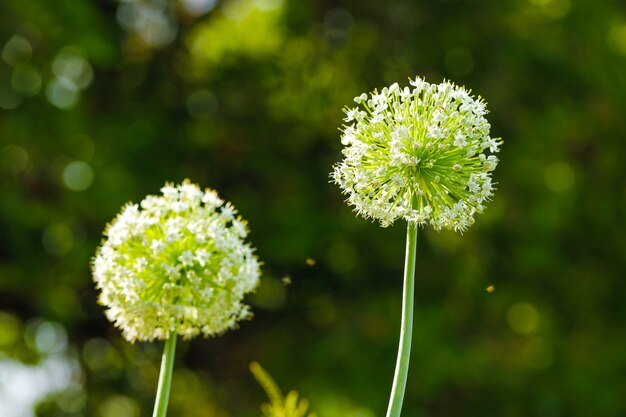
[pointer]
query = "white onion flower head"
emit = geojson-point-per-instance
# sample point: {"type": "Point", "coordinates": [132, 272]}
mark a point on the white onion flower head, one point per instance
{"type": "Point", "coordinates": [421, 153]}
{"type": "Point", "coordinates": [176, 263]}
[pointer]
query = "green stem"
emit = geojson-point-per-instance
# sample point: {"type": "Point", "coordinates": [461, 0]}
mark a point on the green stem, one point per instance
{"type": "Point", "coordinates": [165, 377]}
{"type": "Point", "coordinates": [406, 326]}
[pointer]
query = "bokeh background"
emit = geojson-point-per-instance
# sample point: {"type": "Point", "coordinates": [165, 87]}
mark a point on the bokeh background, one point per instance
{"type": "Point", "coordinates": [101, 102]}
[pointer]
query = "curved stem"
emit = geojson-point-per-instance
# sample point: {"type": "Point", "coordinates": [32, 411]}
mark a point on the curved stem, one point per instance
{"type": "Point", "coordinates": [406, 326]}
{"type": "Point", "coordinates": [165, 377]}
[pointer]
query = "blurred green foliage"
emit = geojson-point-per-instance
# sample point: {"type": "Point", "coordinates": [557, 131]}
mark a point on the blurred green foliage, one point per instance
{"type": "Point", "coordinates": [102, 102]}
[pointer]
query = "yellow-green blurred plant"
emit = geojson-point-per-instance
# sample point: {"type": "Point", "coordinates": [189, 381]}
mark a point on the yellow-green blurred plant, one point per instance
{"type": "Point", "coordinates": [279, 406]}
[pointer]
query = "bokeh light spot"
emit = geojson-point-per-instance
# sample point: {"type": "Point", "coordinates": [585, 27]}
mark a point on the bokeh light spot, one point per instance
{"type": "Point", "coordinates": [16, 50]}
{"type": "Point", "coordinates": [119, 406]}
{"type": "Point", "coordinates": [554, 9]}
{"type": "Point", "coordinates": [617, 38]}
{"type": "Point", "coordinates": [268, 4]}
{"type": "Point", "coordinates": [96, 354]}
{"type": "Point", "coordinates": [150, 21]}
{"type": "Point", "coordinates": [9, 329]}
{"type": "Point", "coordinates": [14, 158]}
{"type": "Point", "coordinates": [523, 318]}
{"type": "Point", "coordinates": [237, 10]}
{"type": "Point", "coordinates": [197, 7]}
{"type": "Point", "coordinates": [78, 176]}
{"type": "Point", "coordinates": [23, 386]}
{"type": "Point", "coordinates": [559, 176]}
{"type": "Point", "coordinates": [71, 65]}
{"type": "Point", "coordinates": [57, 239]}
{"type": "Point", "coordinates": [50, 338]}
{"type": "Point", "coordinates": [62, 93]}
{"type": "Point", "coordinates": [26, 80]}
{"type": "Point", "coordinates": [63, 300]}
{"type": "Point", "coordinates": [243, 28]}
{"type": "Point", "coordinates": [338, 23]}
{"type": "Point", "coordinates": [73, 400]}
{"type": "Point", "coordinates": [45, 337]}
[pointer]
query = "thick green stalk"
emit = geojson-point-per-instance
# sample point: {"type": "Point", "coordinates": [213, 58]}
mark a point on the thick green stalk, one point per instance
{"type": "Point", "coordinates": [165, 377]}
{"type": "Point", "coordinates": [406, 326]}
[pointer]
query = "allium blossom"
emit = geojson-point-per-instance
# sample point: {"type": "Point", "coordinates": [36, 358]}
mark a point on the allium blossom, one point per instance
{"type": "Point", "coordinates": [422, 154]}
{"type": "Point", "coordinates": [176, 263]}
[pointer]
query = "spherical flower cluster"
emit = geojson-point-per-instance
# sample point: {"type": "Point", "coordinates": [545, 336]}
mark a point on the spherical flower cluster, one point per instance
{"type": "Point", "coordinates": [418, 154]}
{"type": "Point", "coordinates": [176, 263]}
